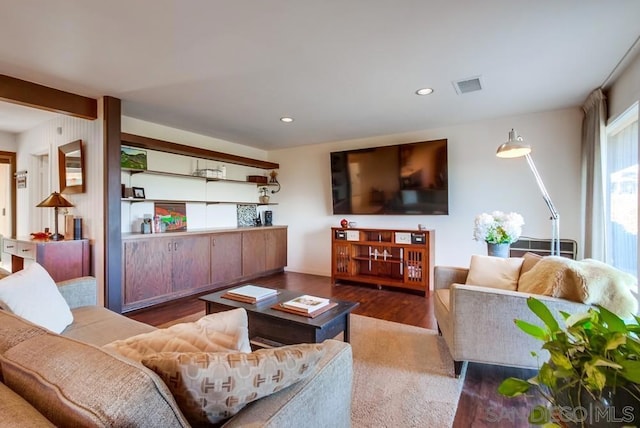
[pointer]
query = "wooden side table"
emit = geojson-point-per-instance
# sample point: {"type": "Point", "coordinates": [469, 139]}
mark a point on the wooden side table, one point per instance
{"type": "Point", "coordinates": [62, 259]}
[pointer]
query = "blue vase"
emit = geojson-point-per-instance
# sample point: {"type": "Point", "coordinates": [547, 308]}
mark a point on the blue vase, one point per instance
{"type": "Point", "coordinates": [498, 250]}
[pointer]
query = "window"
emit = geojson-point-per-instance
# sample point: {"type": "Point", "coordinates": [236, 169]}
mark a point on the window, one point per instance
{"type": "Point", "coordinates": [622, 191]}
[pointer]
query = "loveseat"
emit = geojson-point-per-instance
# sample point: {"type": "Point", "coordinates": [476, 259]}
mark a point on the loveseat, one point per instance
{"type": "Point", "coordinates": [477, 321]}
{"type": "Point", "coordinates": [70, 379]}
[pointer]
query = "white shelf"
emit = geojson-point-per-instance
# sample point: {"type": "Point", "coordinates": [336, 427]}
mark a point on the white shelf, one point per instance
{"type": "Point", "coordinates": [175, 201]}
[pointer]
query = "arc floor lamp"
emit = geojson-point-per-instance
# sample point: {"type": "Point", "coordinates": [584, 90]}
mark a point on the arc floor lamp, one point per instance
{"type": "Point", "coordinates": [515, 148]}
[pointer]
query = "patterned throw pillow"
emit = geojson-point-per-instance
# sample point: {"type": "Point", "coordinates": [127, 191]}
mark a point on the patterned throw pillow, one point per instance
{"type": "Point", "coordinates": [219, 332]}
{"type": "Point", "coordinates": [212, 386]}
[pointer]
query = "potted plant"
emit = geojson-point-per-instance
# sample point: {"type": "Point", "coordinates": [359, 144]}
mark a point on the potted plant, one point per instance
{"type": "Point", "coordinates": [592, 376]}
{"type": "Point", "coordinates": [498, 230]}
{"type": "Point", "coordinates": [264, 195]}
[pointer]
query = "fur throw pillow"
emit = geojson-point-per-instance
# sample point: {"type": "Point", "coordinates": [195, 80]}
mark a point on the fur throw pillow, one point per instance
{"type": "Point", "coordinates": [586, 281]}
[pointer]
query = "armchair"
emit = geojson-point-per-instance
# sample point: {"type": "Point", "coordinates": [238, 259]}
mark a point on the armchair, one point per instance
{"type": "Point", "coordinates": [476, 322]}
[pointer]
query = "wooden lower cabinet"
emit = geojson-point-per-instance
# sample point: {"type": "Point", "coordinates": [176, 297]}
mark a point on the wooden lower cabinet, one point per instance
{"type": "Point", "coordinates": [147, 270]}
{"type": "Point", "coordinates": [191, 263]}
{"type": "Point", "coordinates": [158, 268]}
{"type": "Point", "coordinates": [253, 253]}
{"type": "Point", "coordinates": [263, 250]}
{"type": "Point", "coordinates": [276, 248]}
{"type": "Point", "coordinates": [226, 257]}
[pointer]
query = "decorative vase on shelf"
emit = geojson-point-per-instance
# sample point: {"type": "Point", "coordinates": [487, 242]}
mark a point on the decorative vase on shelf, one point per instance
{"type": "Point", "coordinates": [498, 250]}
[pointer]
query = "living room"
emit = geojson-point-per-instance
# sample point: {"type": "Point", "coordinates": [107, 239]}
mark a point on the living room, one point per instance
{"type": "Point", "coordinates": [479, 181]}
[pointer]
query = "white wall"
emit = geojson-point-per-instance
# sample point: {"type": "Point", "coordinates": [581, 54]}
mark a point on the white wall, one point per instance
{"type": "Point", "coordinates": [625, 90]}
{"type": "Point", "coordinates": [44, 140]}
{"type": "Point", "coordinates": [478, 180]}
{"type": "Point", "coordinates": [8, 142]}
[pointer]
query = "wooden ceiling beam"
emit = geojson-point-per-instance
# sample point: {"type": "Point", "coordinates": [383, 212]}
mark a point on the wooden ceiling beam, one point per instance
{"type": "Point", "coordinates": [45, 98]}
{"type": "Point", "coordinates": [179, 149]}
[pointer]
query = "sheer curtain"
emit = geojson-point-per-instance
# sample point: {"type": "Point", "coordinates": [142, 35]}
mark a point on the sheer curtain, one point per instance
{"type": "Point", "coordinates": [593, 184]}
{"type": "Point", "coordinates": [622, 191]}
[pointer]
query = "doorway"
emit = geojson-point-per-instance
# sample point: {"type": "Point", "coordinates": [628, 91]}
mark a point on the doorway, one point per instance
{"type": "Point", "coordinates": [7, 198]}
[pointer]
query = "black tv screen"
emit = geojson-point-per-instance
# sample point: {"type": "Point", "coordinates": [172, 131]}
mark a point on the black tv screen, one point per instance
{"type": "Point", "coordinates": [402, 179]}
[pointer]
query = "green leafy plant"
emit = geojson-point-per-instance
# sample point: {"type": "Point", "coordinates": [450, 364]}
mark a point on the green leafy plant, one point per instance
{"type": "Point", "coordinates": [592, 359]}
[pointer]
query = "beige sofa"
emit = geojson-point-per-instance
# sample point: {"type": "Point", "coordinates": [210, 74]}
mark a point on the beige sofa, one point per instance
{"type": "Point", "coordinates": [477, 324]}
{"type": "Point", "coordinates": [85, 385]}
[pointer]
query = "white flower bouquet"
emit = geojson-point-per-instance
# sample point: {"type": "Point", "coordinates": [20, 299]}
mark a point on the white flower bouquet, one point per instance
{"type": "Point", "coordinates": [498, 227]}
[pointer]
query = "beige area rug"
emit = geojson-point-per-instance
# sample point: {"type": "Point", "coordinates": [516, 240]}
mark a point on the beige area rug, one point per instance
{"type": "Point", "coordinates": [403, 375]}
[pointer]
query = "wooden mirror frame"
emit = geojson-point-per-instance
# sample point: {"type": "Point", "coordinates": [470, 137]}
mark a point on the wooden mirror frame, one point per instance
{"type": "Point", "coordinates": [63, 152]}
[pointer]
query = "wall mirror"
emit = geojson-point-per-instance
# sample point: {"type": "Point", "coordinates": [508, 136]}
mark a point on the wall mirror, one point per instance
{"type": "Point", "coordinates": [71, 167]}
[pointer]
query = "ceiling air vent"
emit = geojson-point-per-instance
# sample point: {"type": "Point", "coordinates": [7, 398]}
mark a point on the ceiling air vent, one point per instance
{"type": "Point", "coordinates": [465, 86]}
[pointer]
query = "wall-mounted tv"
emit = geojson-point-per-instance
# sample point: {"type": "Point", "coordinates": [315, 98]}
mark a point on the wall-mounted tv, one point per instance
{"type": "Point", "coordinates": [402, 179]}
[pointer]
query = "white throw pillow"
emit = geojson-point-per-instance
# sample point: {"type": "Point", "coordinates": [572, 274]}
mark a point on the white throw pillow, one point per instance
{"type": "Point", "coordinates": [33, 295]}
{"type": "Point", "coordinates": [495, 272]}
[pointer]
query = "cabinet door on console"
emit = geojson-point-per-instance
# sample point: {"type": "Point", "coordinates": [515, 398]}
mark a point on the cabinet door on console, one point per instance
{"type": "Point", "coordinates": [191, 259]}
{"type": "Point", "coordinates": [276, 248]}
{"type": "Point", "coordinates": [226, 257]}
{"type": "Point", "coordinates": [417, 267]}
{"type": "Point", "coordinates": [253, 252]}
{"type": "Point", "coordinates": [147, 269]}
{"type": "Point", "coordinates": [341, 261]}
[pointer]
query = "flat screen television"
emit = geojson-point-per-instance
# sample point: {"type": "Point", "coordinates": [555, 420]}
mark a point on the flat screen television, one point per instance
{"type": "Point", "coordinates": [402, 179]}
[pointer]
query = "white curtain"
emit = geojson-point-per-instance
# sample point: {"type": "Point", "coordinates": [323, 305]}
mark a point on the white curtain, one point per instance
{"type": "Point", "coordinates": [622, 192]}
{"type": "Point", "coordinates": [593, 186]}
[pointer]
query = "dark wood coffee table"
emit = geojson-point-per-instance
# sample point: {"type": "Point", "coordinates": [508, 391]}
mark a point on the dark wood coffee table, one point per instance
{"type": "Point", "coordinates": [282, 327]}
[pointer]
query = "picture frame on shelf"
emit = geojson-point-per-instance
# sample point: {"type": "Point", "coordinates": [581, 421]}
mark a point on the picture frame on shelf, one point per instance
{"type": "Point", "coordinates": [138, 192]}
{"type": "Point", "coordinates": [173, 216]}
{"type": "Point", "coordinates": [133, 158]}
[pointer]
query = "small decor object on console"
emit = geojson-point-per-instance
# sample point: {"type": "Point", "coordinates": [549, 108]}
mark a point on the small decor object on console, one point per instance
{"type": "Point", "coordinates": [264, 195]}
{"type": "Point", "coordinates": [138, 192]}
{"type": "Point", "coordinates": [498, 230]}
{"type": "Point", "coordinates": [344, 222]}
{"type": "Point", "coordinates": [246, 215]}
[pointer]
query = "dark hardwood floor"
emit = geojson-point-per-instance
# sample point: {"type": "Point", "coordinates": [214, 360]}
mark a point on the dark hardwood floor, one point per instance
{"type": "Point", "coordinates": [479, 406]}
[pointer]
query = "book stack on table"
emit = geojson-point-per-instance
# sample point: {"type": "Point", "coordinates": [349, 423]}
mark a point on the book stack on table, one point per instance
{"type": "Point", "coordinates": [250, 294]}
{"type": "Point", "coordinates": [309, 306]}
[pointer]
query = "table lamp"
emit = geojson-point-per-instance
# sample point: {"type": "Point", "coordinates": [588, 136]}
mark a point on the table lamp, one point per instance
{"type": "Point", "coordinates": [515, 148]}
{"type": "Point", "coordinates": [56, 201]}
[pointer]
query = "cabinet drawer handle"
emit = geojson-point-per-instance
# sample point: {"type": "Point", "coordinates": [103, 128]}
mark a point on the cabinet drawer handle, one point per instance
{"type": "Point", "coordinates": [169, 246]}
{"type": "Point", "coordinates": [175, 246]}
{"type": "Point", "coordinates": [9, 246]}
{"type": "Point", "coordinates": [25, 251]}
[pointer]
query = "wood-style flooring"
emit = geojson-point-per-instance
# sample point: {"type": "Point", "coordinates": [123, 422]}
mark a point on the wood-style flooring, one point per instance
{"type": "Point", "coordinates": [479, 406]}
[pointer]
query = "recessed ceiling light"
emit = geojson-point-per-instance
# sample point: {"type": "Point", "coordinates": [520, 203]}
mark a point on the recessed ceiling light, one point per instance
{"type": "Point", "coordinates": [286, 119]}
{"type": "Point", "coordinates": [424, 91]}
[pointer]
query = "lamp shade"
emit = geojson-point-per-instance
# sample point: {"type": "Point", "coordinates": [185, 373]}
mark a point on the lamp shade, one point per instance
{"type": "Point", "coordinates": [55, 200]}
{"type": "Point", "coordinates": [514, 148]}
